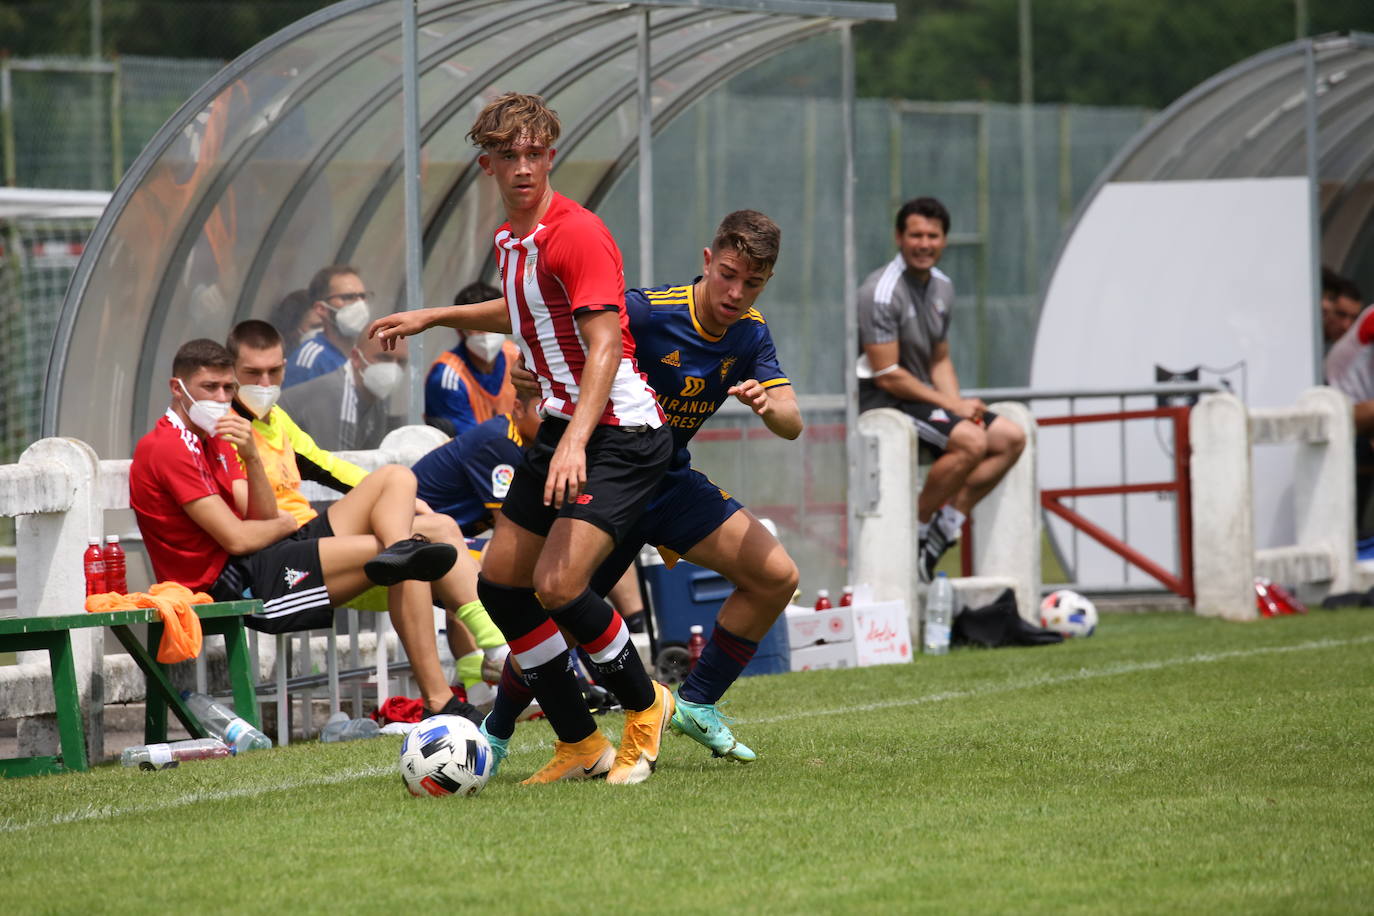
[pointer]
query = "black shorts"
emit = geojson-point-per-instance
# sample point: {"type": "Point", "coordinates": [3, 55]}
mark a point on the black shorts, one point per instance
{"type": "Point", "coordinates": [624, 467]}
{"type": "Point", "coordinates": [287, 578]}
{"type": "Point", "coordinates": [318, 527]}
{"type": "Point", "coordinates": [934, 424]}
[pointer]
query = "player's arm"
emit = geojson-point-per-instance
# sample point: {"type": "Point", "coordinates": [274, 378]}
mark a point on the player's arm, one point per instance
{"type": "Point", "coordinates": [775, 405]}
{"type": "Point", "coordinates": [253, 496]}
{"type": "Point", "coordinates": [1364, 418]}
{"type": "Point", "coordinates": [568, 467]}
{"type": "Point", "coordinates": [898, 382]}
{"type": "Point", "coordinates": [479, 316]}
{"type": "Point", "coordinates": [236, 535]}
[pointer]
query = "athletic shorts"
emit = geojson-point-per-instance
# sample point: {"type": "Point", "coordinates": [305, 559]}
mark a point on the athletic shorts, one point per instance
{"type": "Point", "coordinates": [683, 511]}
{"type": "Point", "coordinates": [318, 527]}
{"type": "Point", "coordinates": [624, 467]}
{"type": "Point", "coordinates": [287, 578]}
{"type": "Point", "coordinates": [934, 424]}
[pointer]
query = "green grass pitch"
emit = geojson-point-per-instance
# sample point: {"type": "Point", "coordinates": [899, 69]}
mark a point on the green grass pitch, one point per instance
{"type": "Point", "coordinates": [1167, 764]}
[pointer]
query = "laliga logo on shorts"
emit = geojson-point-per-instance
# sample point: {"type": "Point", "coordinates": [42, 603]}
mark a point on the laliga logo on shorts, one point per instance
{"type": "Point", "coordinates": [294, 577]}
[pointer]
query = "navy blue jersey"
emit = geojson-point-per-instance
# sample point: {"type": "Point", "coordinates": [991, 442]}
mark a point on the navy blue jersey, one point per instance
{"type": "Point", "coordinates": [689, 369]}
{"type": "Point", "coordinates": [469, 476]}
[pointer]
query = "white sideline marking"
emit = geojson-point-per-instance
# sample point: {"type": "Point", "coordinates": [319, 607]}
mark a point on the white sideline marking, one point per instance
{"type": "Point", "coordinates": [1082, 674]}
{"type": "Point", "coordinates": [103, 813]}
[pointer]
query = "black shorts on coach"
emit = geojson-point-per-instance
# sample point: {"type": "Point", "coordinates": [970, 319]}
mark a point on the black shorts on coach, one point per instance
{"type": "Point", "coordinates": [624, 467]}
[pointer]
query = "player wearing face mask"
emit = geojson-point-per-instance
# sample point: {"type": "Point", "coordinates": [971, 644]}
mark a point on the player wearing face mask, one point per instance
{"type": "Point", "coordinates": [340, 301]}
{"type": "Point", "coordinates": [349, 408]}
{"type": "Point", "coordinates": [470, 384]}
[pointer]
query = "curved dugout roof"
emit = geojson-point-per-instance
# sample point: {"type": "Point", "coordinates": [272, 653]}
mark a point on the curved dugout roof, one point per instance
{"type": "Point", "coordinates": [1250, 121]}
{"type": "Point", "coordinates": [291, 159]}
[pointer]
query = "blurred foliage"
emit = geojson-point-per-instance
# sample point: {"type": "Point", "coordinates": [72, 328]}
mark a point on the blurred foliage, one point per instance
{"type": "Point", "coordinates": [1089, 52]}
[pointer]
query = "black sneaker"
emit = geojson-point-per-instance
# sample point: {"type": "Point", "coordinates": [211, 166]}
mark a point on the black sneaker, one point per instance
{"type": "Point", "coordinates": [455, 707]}
{"type": "Point", "coordinates": [414, 558]}
{"type": "Point", "coordinates": [933, 547]}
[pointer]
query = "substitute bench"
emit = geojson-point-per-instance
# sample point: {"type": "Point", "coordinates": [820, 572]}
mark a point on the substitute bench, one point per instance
{"type": "Point", "coordinates": [53, 634]}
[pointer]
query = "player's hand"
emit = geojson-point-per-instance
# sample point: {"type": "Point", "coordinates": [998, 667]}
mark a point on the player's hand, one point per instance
{"type": "Point", "coordinates": [287, 522]}
{"type": "Point", "coordinates": [971, 409]}
{"type": "Point", "coordinates": [567, 474]}
{"type": "Point", "coordinates": [526, 382]}
{"type": "Point", "coordinates": [391, 328]}
{"type": "Point", "coordinates": [238, 432]}
{"type": "Point", "coordinates": [422, 507]}
{"type": "Point", "coordinates": [752, 395]}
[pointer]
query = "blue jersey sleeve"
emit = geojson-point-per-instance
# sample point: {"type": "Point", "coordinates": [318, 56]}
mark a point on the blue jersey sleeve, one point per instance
{"type": "Point", "coordinates": [490, 468]}
{"type": "Point", "coordinates": [446, 398]}
{"type": "Point", "coordinates": [765, 367]}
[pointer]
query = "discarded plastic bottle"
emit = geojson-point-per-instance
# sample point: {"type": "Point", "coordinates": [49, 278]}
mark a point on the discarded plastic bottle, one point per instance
{"type": "Point", "coordinates": [93, 565]}
{"type": "Point", "coordinates": [341, 728]}
{"type": "Point", "coordinates": [823, 600]}
{"type": "Point", "coordinates": [695, 643]}
{"type": "Point", "coordinates": [1286, 600]}
{"type": "Point", "coordinates": [221, 722]}
{"type": "Point", "coordinates": [113, 556]}
{"type": "Point", "coordinates": [1265, 601]}
{"type": "Point", "coordinates": [847, 597]}
{"type": "Point", "coordinates": [166, 756]}
{"type": "Point", "coordinates": [939, 611]}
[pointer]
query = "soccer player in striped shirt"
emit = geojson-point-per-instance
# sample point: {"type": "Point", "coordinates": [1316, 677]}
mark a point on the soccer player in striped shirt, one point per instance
{"type": "Point", "coordinates": [601, 451]}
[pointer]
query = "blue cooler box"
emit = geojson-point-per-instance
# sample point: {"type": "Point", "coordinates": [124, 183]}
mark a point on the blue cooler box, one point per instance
{"type": "Point", "coordinates": [688, 595]}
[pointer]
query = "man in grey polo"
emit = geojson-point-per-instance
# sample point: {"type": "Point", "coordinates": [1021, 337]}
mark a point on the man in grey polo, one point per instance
{"type": "Point", "coordinates": [904, 314]}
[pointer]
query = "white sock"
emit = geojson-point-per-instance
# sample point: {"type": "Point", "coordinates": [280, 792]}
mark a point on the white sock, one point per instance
{"type": "Point", "coordinates": [922, 528]}
{"type": "Point", "coordinates": [952, 521]}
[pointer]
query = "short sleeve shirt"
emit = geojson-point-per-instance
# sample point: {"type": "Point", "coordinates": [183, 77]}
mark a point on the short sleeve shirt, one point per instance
{"type": "Point", "coordinates": [469, 476]}
{"type": "Point", "coordinates": [1350, 364]}
{"type": "Point", "coordinates": [174, 466]}
{"type": "Point", "coordinates": [893, 305]}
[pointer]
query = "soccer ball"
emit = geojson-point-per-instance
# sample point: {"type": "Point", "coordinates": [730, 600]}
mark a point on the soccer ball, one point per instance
{"type": "Point", "coordinates": [445, 755]}
{"type": "Point", "coordinates": [1068, 613]}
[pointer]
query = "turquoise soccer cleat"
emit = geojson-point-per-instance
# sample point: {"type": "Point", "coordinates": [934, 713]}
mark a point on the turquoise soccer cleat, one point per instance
{"type": "Point", "coordinates": [704, 724]}
{"type": "Point", "coordinates": [500, 747]}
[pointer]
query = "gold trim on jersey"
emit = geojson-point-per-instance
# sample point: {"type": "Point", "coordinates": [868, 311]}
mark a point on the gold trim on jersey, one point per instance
{"type": "Point", "coordinates": [513, 432]}
{"type": "Point", "coordinates": [776, 382]}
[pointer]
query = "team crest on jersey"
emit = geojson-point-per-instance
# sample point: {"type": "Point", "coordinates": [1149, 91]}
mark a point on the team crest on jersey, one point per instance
{"type": "Point", "coordinates": [725, 366]}
{"type": "Point", "coordinates": [501, 476]}
{"type": "Point", "coordinates": [673, 359]}
{"type": "Point", "coordinates": [294, 577]}
{"type": "Point", "coordinates": [530, 261]}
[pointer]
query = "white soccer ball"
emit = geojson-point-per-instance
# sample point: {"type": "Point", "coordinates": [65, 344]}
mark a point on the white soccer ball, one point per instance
{"type": "Point", "coordinates": [1069, 613]}
{"type": "Point", "coordinates": [445, 755]}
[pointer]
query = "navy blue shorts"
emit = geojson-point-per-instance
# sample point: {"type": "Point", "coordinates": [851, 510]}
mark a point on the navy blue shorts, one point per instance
{"type": "Point", "coordinates": [684, 509]}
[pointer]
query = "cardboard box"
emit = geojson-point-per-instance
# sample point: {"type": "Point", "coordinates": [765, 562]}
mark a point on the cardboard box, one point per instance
{"type": "Point", "coordinates": [816, 658]}
{"type": "Point", "coordinates": [882, 633]}
{"type": "Point", "coordinates": [809, 627]}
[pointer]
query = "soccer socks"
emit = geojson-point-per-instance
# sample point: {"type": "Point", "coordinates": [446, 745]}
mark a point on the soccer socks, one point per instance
{"type": "Point", "coordinates": [543, 656]}
{"type": "Point", "coordinates": [722, 659]}
{"type": "Point", "coordinates": [469, 668]}
{"type": "Point", "coordinates": [951, 521]}
{"type": "Point", "coordinates": [605, 637]}
{"type": "Point", "coordinates": [512, 696]}
{"type": "Point", "coordinates": [479, 624]}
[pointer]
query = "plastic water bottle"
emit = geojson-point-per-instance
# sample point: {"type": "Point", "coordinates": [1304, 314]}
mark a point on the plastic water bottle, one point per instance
{"type": "Point", "coordinates": [341, 728]}
{"type": "Point", "coordinates": [113, 555]}
{"type": "Point", "coordinates": [166, 756]}
{"type": "Point", "coordinates": [93, 564]}
{"type": "Point", "coordinates": [847, 597]}
{"type": "Point", "coordinates": [1287, 602]}
{"type": "Point", "coordinates": [221, 722]}
{"type": "Point", "coordinates": [823, 600]}
{"type": "Point", "coordinates": [939, 610]}
{"type": "Point", "coordinates": [695, 643]}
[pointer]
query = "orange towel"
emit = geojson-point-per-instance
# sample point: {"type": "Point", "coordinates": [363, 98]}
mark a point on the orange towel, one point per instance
{"type": "Point", "coordinates": [181, 632]}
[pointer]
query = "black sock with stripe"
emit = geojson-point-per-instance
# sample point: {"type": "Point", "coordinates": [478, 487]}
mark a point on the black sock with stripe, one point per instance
{"type": "Point", "coordinates": [604, 636]}
{"type": "Point", "coordinates": [722, 661]}
{"type": "Point", "coordinates": [543, 655]}
{"type": "Point", "coordinates": [512, 696]}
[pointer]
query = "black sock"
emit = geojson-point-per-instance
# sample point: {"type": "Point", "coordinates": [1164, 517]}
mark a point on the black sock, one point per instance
{"type": "Point", "coordinates": [512, 696]}
{"type": "Point", "coordinates": [543, 656]}
{"type": "Point", "coordinates": [615, 660]}
{"type": "Point", "coordinates": [722, 660]}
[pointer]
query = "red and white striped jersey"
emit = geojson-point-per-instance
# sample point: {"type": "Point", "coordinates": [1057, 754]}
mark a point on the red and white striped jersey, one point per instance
{"type": "Point", "coordinates": [567, 265]}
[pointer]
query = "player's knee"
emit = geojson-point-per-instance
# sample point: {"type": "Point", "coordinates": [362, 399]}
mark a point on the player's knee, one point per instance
{"type": "Point", "coordinates": [1014, 438]}
{"type": "Point", "coordinates": [396, 475]}
{"type": "Point", "coordinates": [555, 588]}
{"type": "Point", "coordinates": [969, 442]}
{"type": "Point", "coordinates": [775, 578]}
{"type": "Point", "coordinates": [439, 527]}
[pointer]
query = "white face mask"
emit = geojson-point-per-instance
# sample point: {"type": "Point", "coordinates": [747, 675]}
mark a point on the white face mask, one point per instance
{"type": "Point", "coordinates": [382, 378]}
{"type": "Point", "coordinates": [205, 414]}
{"type": "Point", "coordinates": [352, 318]}
{"type": "Point", "coordinates": [484, 346]}
{"type": "Point", "coordinates": [259, 398]}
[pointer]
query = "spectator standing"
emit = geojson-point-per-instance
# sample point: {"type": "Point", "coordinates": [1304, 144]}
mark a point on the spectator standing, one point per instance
{"type": "Point", "coordinates": [339, 303]}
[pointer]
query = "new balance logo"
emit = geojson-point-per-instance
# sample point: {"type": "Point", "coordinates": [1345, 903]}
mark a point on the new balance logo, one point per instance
{"type": "Point", "coordinates": [583, 499]}
{"type": "Point", "coordinates": [294, 577]}
{"type": "Point", "coordinates": [673, 359]}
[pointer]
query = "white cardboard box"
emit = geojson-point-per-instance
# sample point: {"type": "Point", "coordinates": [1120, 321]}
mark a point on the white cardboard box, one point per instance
{"type": "Point", "coordinates": [831, 655]}
{"type": "Point", "coordinates": [809, 627]}
{"type": "Point", "coordinates": [882, 633]}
